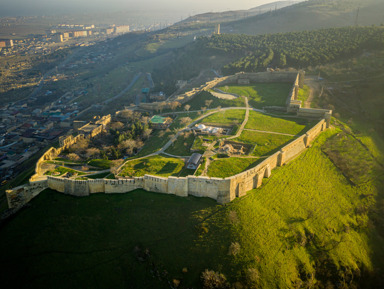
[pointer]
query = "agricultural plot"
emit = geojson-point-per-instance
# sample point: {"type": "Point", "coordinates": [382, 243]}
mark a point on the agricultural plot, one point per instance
{"type": "Point", "coordinates": [264, 143]}
{"type": "Point", "coordinates": [156, 165]}
{"type": "Point", "coordinates": [261, 94]}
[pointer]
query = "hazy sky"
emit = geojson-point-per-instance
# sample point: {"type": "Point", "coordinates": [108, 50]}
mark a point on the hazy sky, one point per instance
{"type": "Point", "coordinates": [40, 7]}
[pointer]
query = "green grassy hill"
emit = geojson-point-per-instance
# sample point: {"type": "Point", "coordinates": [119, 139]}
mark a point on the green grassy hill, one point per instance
{"type": "Point", "coordinates": [307, 226]}
{"type": "Point", "coordinates": [310, 15]}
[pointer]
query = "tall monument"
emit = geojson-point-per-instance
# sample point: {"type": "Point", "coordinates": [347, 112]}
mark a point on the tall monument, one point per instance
{"type": "Point", "coordinates": [217, 29]}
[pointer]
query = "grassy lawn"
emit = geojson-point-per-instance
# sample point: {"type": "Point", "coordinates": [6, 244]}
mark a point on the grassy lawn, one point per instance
{"type": "Point", "coordinates": [352, 158]}
{"type": "Point", "coordinates": [199, 101]}
{"type": "Point", "coordinates": [225, 117]}
{"type": "Point", "coordinates": [182, 145]}
{"type": "Point", "coordinates": [176, 124]}
{"type": "Point", "coordinates": [201, 167]}
{"type": "Point", "coordinates": [261, 94]}
{"type": "Point", "coordinates": [223, 168]}
{"type": "Point", "coordinates": [64, 170]}
{"type": "Point", "coordinates": [303, 94]}
{"type": "Point", "coordinates": [264, 122]}
{"type": "Point", "coordinates": [100, 163]}
{"type": "Point", "coordinates": [156, 141]}
{"type": "Point", "coordinates": [199, 140]}
{"type": "Point", "coordinates": [156, 165]}
{"type": "Point", "coordinates": [99, 176]}
{"type": "Point", "coordinates": [265, 143]}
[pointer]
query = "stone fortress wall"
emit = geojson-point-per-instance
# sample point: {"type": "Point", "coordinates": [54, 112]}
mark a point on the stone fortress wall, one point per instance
{"type": "Point", "coordinates": [66, 141]}
{"type": "Point", "coordinates": [222, 190]}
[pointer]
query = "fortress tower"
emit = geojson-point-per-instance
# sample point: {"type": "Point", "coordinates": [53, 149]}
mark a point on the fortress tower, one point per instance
{"type": "Point", "coordinates": [217, 29]}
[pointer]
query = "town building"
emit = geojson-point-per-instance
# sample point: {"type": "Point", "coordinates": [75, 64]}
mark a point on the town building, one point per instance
{"type": "Point", "coordinates": [194, 161]}
{"type": "Point", "coordinates": [6, 43]}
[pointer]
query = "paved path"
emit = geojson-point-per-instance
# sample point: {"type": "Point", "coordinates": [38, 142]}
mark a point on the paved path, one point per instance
{"type": "Point", "coordinates": [244, 122]}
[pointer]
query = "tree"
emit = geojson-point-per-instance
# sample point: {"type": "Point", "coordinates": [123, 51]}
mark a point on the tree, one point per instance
{"type": "Point", "coordinates": [213, 280]}
{"type": "Point", "coordinates": [146, 133]}
{"type": "Point", "coordinates": [234, 249]}
{"type": "Point", "coordinates": [92, 152]}
{"type": "Point", "coordinates": [73, 157]}
{"type": "Point", "coordinates": [80, 146]}
{"type": "Point", "coordinates": [126, 114]}
{"type": "Point", "coordinates": [187, 107]}
{"type": "Point", "coordinates": [128, 145]}
{"type": "Point", "coordinates": [208, 102]}
{"type": "Point", "coordinates": [115, 166]}
{"type": "Point", "coordinates": [174, 104]}
{"type": "Point", "coordinates": [161, 106]}
{"type": "Point", "coordinates": [185, 120]}
{"type": "Point", "coordinates": [117, 125]}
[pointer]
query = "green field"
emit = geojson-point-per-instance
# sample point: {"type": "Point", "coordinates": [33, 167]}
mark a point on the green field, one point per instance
{"type": "Point", "coordinates": [156, 141]}
{"type": "Point", "coordinates": [199, 140]}
{"type": "Point", "coordinates": [303, 94]}
{"type": "Point", "coordinates": [63, 170]}
{"type": "Point", "coordinates": [199, 101]}
{"type": "Point", "coordinates": [182, 145]}
{"type": "Point", "coordinates": [225, 117]}
{"type": "Point", "coordinates": [100, 163]}
{"type": "Point", "coordinates": [226, 167]}
{"type": "Point", "coordinates": [264, 122]}
{"type": "Point", "coordinates": [265, 143]}
{"type": "Point", "coordinates": [156, 165]}
{"type": "Point", "coordinates": [261, 94]}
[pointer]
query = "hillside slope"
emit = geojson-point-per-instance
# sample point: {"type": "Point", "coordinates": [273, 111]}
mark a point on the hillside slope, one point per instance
{"type": "Point", "coordinates": [308, 226]}
{"type": "Point", "coordinates": [237, 14]}
{"type": "Point", "coordinates": [311, 15]}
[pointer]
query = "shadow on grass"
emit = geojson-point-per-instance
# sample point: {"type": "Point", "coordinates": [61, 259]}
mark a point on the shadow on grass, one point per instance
{"type": "Point", "coordinates": [168, 168]}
